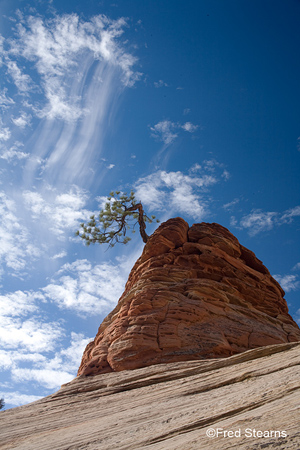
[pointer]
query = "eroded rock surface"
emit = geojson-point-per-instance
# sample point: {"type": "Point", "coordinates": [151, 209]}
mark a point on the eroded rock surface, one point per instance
{"type": "Point", "coordinates": [171, 406]}
{"type": "Point", "coordinates": [195, 293]}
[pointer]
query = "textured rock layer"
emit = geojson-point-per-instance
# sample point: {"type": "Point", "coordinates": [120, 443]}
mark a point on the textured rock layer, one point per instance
{"type": "Point", "coordinates": [195, 293]}
{"type": "Point", "coordinates": [253, 395]}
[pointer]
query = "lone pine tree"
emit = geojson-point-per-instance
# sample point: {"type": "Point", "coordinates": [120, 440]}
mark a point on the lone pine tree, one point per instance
{"type": "Point", "coordinates": [121, 213]}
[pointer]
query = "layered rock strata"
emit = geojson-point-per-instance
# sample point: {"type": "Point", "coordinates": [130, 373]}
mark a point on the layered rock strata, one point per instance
{"type": "Point", "coordinates": [254, 396]}
{"type": "Point", "coordinates": [195, 293]}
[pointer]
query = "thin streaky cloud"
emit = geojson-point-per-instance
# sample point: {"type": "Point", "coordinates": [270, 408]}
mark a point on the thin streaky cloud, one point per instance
{"type": "Point", "coordinates": [231, 204]}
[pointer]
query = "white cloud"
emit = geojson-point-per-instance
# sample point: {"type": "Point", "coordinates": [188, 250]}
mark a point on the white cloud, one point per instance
{"type": "Point", "coordinates": [110, 166]}
{"type": "Point", "coordinates": [164, 131]}
{"type": "Point", "coordinates": [288, 282]}
{"type": "Point", "coordinates": [13, 153]}
{"type": "Point", "coordinates": [62, 211]}
{"type": "Point", "coordinates": [71, 356]}
{"type": "Point", "coordinates": [167, 131]}
{"type": "Point", "coordinates": [73, 72]}
{"type": "Point", "coordinates": [188, 126]}
{"type": "Point", "coordinates": [55, 47]}
{"type": "Point", "coordinates": [31, 334]}
{"type": "Point", "coordinates": [289, 215]}
{"type": "Point", "coordinates": [18, 398]}
{"type": "Point", "coordinates": [258, 221]}
{"type": "Point", "coordinates": [226, 175]}
{"type": "Point", "coordinates": [62, 254]}
{"type": "Point", "coordinates": [51, 379]}
{"type": "Point", "coordinates": [160, 84]}
{"type": "Point", "coordinates": [18, 303]}
{"type": "Point", "coordinates": [5, 132]}
{"type": "Point", "coordinates": [297, 266]}
{"type": "Point", "coordinates": [22, 121]}
{"type": "Point", "coordinates": [14, 253]}
{"type": "Point", "coordinates": [51, 372]}
{"type": "Point", "coordinates": [87, 289]}
{"type": "Point", "coordinates": [5, 101]}
{"type": "Point", "coordinates": [22, 81]}
{"type": "Point", "coordinates": [32, 347]}
{"type": "Point", "coordinates": [176, 192]}
{"type": "Point", "coordinates": [21, 328]}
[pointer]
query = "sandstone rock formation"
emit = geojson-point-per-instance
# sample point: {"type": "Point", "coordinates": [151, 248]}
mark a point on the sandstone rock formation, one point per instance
{"type": "Point", "coordinates": [195, 293]}
{"type": "Point", "coordinates": [253, 396]}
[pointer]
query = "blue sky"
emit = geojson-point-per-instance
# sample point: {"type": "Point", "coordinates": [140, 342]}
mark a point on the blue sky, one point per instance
{"type": "Point", "coordinates": [193, 104]}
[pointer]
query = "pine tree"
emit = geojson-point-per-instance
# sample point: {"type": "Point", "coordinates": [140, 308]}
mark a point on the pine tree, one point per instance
{"type": "Point", "coordinates": [120, 214]}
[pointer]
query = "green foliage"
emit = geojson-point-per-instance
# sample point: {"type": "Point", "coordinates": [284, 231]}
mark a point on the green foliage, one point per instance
{"type": "Point", "coordinates": [2, 403]}
{"type": "Point", "coordinates": [121, 213]}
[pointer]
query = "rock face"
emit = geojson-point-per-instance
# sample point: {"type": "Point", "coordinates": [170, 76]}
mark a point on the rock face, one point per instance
{"type": "Point", "coordinates": [195, 293]}
{"type": "Point", "coordinates": [253, 396]}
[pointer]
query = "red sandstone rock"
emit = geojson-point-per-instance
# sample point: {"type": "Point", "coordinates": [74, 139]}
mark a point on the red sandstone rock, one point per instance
{"type": "Point", "coordinates": [194, 293]}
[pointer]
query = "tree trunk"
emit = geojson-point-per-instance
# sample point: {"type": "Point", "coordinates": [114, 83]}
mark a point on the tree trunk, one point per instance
{"type": "Point", "coordinates": [141, 221]}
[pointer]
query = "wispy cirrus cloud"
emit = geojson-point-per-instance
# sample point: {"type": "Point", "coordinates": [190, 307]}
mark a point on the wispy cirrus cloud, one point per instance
{"type": "Point", "coordinates": [230, 205]}
{"type": "Point", "coordinates": [71, 74]}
